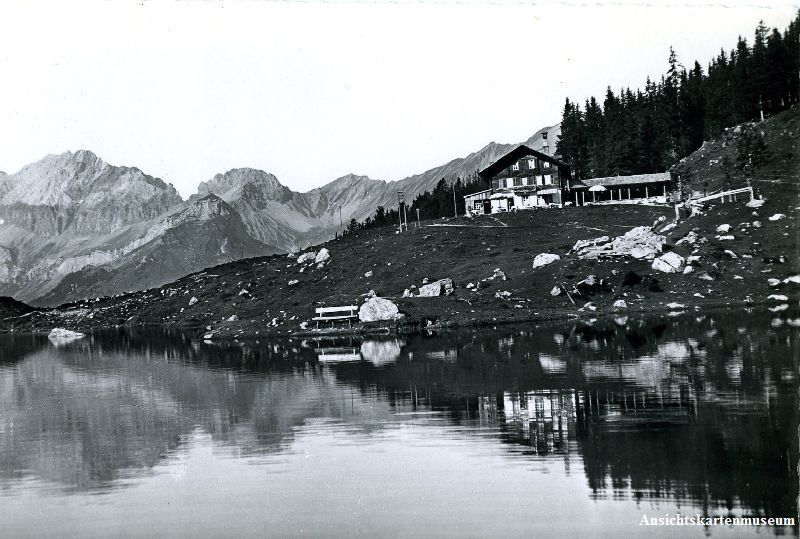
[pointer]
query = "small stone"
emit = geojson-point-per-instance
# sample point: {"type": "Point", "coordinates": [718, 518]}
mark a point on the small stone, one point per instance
{"type": "Point", "coordinates": [544, 259]}
{"type": "Point", "coordinates": [293, 282]}
{"type": "Point", "coordinates": [723, 228]}
{"type": "Point", "coordinates": [193, 301]}
{"type": "Point", "coordinates": [368, 274]}
{"type": "Point", "coordinates": [620, 304]}
{"type": "Point", "coordinates": [777, 217]}
{"type": "Point", "coordinates": [556, 291]}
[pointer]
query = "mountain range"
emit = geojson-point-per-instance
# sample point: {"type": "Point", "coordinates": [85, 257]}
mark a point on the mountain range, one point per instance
{"type": "Point", "coordinates": [73, 226]}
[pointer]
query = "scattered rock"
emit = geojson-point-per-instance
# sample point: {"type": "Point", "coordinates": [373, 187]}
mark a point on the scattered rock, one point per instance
{"type": "Point", "coordinates": [674, 305]}
{"type": "Point", "coordinates": [669, 263]}
{"type": "Point", "coordinates": [442, 287]}
{"type": "Point", "coordinates": [498, 274]}
{"type": "Point", "coordinates": [755, 203]}
{"type": "Point", "coordinates": [323, 256]}
{"type": "Point", "coordinates": [690, 238]}
{"type": "Point", "coordinates": [245, 293]}
{"type": "Point", "coordinates": [777, 217]}
{"type": "Point", "coordinates": [376, 309]}
{"type": "Point", "coordinates": [293, 282]}
{"type": "Point", "coordinates": [793, 279]}
{"type": "Point", "coordinates": [731, 253]}
{"type": "Point", "coordinates": [723, 228]}
{"type": "Point", "coordinates": [193, 301]}
{"type": "Point", "coordinates": [687, 270]}
{"type": "Point", "coordinates": [368, 274]}
{"type": "Point", "coordinates": [544, 259]}
{"type": "Point", "coordinates": [232, 318]}
{"type": "Point", "coordinates": [307, 257]}
{"type": "Point", "coordinates": [773, 282]}
{"type": "Point", "coordinates": [639, 242]}
{"type": "Point", "coordinates": [556, 291]}
{"type": "Point", "coordinates": [779, 308]}
{"type": "Point", "coordinates": [407, 293]}
{"type": "Point", "coordinates": [705, 276]}
{"type": "Point", "coordinates": [505, 294]}
{"type": "Point", "coordinates": [756, 224]}
{"type": "Point", "coordinates": [620, 304]}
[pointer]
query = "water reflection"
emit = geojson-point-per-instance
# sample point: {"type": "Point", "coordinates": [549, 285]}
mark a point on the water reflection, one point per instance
{"type": "Point", "coordinates": [694, 411]}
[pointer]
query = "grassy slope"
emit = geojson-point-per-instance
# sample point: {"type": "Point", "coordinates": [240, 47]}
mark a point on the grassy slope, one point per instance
{"type": "Point", "coordinates": [470, 253]}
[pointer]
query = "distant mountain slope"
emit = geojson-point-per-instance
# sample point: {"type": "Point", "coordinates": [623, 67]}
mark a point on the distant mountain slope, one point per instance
{"type": "Point", "coordinates": [75, 213]}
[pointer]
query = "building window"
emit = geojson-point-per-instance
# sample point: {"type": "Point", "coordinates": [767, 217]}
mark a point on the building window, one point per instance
{"type": "Point", "coordinates": [477, 205]}
{"type": "Point", "coordinates": [539, 180]}
{"type": "Point", "coordinates": [517, 182]}
{"type": "Point", "coordinates": [515, 166]}
{"type": "Point", "coordinates": [531, 164]}
{"type": "Point", "coordinates": [548, 179]}
{"type": "Point", "coordinates": [525, 181]}
{"type": "Point", "coordinates": [546, 164]}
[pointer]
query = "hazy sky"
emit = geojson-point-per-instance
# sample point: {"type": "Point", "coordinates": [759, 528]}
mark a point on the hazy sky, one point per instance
{"type": "Point", "coordinates": [311, 91]}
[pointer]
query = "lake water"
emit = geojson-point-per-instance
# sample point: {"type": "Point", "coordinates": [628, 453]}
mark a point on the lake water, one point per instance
{"type": "Point", "coordinates": [561, 429]}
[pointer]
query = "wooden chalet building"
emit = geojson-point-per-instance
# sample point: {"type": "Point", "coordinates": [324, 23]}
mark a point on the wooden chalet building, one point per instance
{"type": "Point", "coordinates": [659, 188]}
{"type": "Point", "coordinates": [523, 178]}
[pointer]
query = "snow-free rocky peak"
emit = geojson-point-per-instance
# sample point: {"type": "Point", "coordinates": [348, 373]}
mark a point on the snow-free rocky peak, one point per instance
{"type": "Point", "coordinates": [251, 183]}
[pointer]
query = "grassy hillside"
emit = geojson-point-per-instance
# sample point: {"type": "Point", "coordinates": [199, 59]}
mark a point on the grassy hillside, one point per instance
{"type": "Point", "coordinates": [254, 297]}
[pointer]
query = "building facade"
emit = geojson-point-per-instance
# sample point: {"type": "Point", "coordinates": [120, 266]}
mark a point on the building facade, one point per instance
{"type": "Point", "coordinates": [523, 178]}
{"type": "Point", "coordinates": [659, 188]}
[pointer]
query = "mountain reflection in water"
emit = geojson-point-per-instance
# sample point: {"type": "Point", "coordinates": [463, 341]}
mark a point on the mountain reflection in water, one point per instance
{"type": "Point", "coordinates": [694, 413]}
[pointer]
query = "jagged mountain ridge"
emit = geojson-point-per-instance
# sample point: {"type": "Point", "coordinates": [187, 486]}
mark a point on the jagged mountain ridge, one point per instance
{"type": "Point", "coordinates": [72, 214]}
{"type": "Point", "coordinates": [73, 226]}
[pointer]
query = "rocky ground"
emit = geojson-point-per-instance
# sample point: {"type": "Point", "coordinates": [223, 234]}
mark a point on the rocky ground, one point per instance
{"type": "Point", "coordinates": [516, 267]}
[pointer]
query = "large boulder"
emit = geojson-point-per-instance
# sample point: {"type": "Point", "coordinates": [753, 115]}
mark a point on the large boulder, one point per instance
{"type": "Point", "coordinates": [544, 259]}
{"type": "Point", "coordinates": [322, 256]}
{"type": "Point", "coordinates": [307, 257]}
{"type": "Point", "coordinates": [639, 242]}
{"type": "Point", "coordinates": [61, 336]}
{"type": "Point", "coordinates": [442, 287]}
{"type": "Point", "coordinates": [669, 263]}
{"type": "Point", "coordinates": [376, 309]}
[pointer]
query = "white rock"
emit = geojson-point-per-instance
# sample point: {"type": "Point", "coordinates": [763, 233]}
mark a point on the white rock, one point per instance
{"type": "Point", "coordinates": [738, 277]}
{"type": "Point", "coordinates": [723, 228]}
{"type": "Point", "coordinates": [499, 274]}
{"type": "Point", "coordinates": [725, 238]}
{"type": "Point", "coordinates": [755, 203]}
{"type": "Point", "coordinates": [303, 325]}
{"type": "Point", "coordinates": [556, 291]}
{"type": "Point", "coordinates": [777, 217]}
{"type": "Point", "coordinates": [61, 336]}
{"type": "Point", "coordinates": [244, 292]}
{"type": "Point", "coordinates": [674, 305]}
{"type": "Point", "coordinates": [292, 255]}
{"type": "Point", "coordinates": [756, 224]}
{"type": "Point", "coordinates": [376, 309]}
{"type": "Point", "coordinates": [502, 295]}
{"type": "Point", "coordinates": [307, 257]}
{"type": "Point", "coordinates": [669, 263]}
{"type": "Point", "coordinates": [698, 295]}
{"type": "Point", "coordinates": [323, 256]}
{"type": "Point", "coordinates": [793, 279]}
{"type": "Point", "coordinates": [778, 297]}
{"type": "Point", "coordinates": [293, 282]}
{"type": "Point", "coordinates": [193, 301]}
{"type": "Point", "coordinates": [620, 304]}
{"type": "Point", "coordinates": [691, 259]}
{"type": "Point", "coordinates": [668, 227]}
{"type": "Point", "coordinates": [442, 287]}
{"type": "Point", "coordinates": [730, 253]}
{"type": "Point", "coordinates": [773, 282]}
{"type": "Point", "coordinates": [407, 293]}
{"type": "Point", "coordinates": [705, 276]}
{"type": "Point", "coordinates": [779, 308]}
{"type": "Point", "coordinates": [544, 259]}
{"type": "Point", "coordinates": [368, 274]}
{"type": "Point", "coordinates": [232, 318]}
{"type": "Point", "coordinates": [470, 286]}
{"type": "Point", "coordinates": [687, 270]}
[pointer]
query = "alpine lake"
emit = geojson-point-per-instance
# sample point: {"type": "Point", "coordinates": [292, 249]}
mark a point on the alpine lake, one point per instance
{"type": "Point", "coordinates": [577, 428]}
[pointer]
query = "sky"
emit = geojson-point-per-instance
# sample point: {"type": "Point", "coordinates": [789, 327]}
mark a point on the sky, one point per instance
{"type": "Point", "coordinates": [311, 91]}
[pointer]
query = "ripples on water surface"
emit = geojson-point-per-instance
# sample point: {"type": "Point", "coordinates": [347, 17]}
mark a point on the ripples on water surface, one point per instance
{"type": "Point", "coordinates": [564, 429]}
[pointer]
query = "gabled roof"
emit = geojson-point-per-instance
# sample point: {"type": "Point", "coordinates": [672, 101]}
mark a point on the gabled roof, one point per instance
{"type": "Point", "coordinates": [513, 156]}
{"type": "Point", "coordinates": [614, 181]}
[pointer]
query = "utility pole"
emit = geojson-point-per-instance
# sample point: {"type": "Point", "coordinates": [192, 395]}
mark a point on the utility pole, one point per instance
{"type": "Point", "coordinates": [405, 216]}
{"type": "Point", "coordinates": [455, 205]}
{"type": "Point", "coordinates": [400, 203]}
{"type": "Point", "coordinates": [341, 224]}
{"type": "Point", "coordinates": [418, 225]}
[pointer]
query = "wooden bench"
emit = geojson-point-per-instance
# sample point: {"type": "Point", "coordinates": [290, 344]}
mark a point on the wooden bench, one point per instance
{"type": "Point", "coordinates": [332, 314]}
